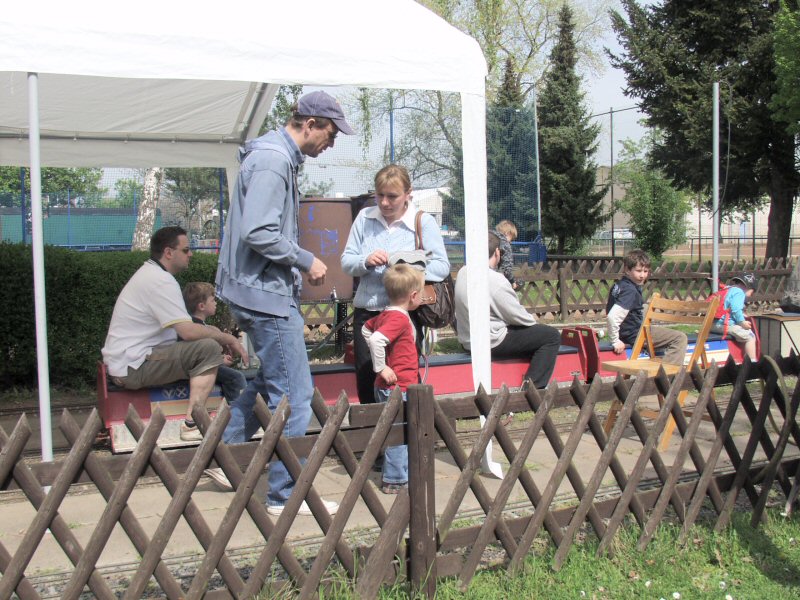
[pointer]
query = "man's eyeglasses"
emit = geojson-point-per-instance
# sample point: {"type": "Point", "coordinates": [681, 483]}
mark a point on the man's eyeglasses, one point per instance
{"type": "Point", "coordinates": [184, 250]}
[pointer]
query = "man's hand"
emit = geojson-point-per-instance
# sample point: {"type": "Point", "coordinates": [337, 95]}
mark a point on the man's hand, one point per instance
{"type": "Point", "coordinates": [377, 258]}
{"type": "Point", "coordinates": [388, 375]}
{"type": "Point", "coordinates": [316, 274]}
{"type": "Point", "coordinates": [227, 359]}
{"type": "Point", "coordinates": [619, 347]}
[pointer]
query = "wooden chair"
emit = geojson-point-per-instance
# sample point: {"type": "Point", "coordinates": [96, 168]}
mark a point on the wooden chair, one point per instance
{"type": "Point", "coordinates": [661, 310]}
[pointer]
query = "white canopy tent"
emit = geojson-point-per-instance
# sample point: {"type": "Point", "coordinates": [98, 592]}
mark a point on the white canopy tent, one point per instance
{"type": "Point", "coordinates": [88, 83]}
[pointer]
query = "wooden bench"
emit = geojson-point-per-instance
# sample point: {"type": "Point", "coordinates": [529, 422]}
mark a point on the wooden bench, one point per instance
{"type": "Point", "coordinates": [676, 312]}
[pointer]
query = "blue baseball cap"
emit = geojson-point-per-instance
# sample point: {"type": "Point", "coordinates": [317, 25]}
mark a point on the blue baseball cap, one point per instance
{"type": "Point", "coordinates": [321, 104]}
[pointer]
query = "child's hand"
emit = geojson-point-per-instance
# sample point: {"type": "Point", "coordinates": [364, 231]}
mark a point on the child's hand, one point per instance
{"type": "Point", "coordinates": [619, 347]}
{"type": "Point", "coordinates": [746, 325]}
{"type": "Point", "coordinates": [388, 375]}
{"type": "Point", "coordinates": [227, 359]}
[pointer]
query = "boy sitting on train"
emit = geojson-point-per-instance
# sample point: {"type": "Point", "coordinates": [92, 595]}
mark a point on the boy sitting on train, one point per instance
{"type": "Point", "coordinates": [391, 337]}
{"type": "Point", "coordinates": [202, 304]}
{"type": "Point", "coordinates": [731, 319]}
{"type": "Point", "coordinates": [625, 312]}
{"type": "Point", "coordinates": [506, 232]}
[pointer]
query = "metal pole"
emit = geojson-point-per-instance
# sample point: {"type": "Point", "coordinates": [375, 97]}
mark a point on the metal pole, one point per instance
{"type": "Point", "coordinates": [699, 232]}
{"type": "Point", "coordinates": [391, 128]}
{"type": "Point", "coordinates": [221, 204]}
{"type": "Point", "coordinates": [611, 176]}
{"type": "Point", "coordinates": [23, 210]}
{"type": "Point", "coordinates": [715, 188]}
{"type": "Point", "coordinates": [536, 149]}
{"type": "Point", "coordinates": [38, 270]}
{"type": "Point", "coordinates": [69, 221]}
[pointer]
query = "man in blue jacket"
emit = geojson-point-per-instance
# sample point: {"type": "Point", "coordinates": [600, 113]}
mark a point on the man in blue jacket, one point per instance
{"type": "Point", "coordinates": [259, 273]}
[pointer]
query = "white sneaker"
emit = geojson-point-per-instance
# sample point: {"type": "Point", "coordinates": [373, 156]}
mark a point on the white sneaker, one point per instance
{"type": "Point", "coordinates": [330, 506]}
{"type": "Point", "coordinates": [218, 477]}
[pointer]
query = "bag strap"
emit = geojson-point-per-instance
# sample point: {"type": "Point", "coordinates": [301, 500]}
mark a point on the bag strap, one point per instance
{"type": "Point", "coordinates": [418, 231]}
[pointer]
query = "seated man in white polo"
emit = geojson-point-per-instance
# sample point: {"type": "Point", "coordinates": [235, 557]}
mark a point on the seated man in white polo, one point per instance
{"type": "Point", "coordinates": [142, 347]}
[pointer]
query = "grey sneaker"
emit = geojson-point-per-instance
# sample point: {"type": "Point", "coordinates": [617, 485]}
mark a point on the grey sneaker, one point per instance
{"type": "Point", "coordinates": [330, 506]}
{"type": "Point", "coordinates": [190, 434]}
{"type": "Point", "coordinates": [218, 477]}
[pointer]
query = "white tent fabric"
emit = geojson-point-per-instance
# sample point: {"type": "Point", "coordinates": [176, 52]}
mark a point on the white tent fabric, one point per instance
{"type": "Point", "coordinates": [160, 83]}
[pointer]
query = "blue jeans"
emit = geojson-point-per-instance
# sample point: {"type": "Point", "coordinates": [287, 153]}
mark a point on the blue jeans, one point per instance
{"type": "Point", "coordinates": [395, 460]}
{"type": "Point", "coordinates": [280, 346]}
{"type": "Point", "coordinates": [231, 382]}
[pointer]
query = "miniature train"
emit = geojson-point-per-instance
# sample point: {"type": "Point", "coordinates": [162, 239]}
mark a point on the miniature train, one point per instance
{"type": "Point", "coordinates": [580, 355]}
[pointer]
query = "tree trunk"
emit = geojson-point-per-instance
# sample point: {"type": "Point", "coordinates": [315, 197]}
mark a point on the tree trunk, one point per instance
{"type": "Point", "coordinates": [780, 215]}
{"type": "Point", "coordinates": [146, 219]}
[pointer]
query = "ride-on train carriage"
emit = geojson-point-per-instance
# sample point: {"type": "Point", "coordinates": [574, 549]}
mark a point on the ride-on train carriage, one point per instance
{"type": "Point", "coordinates": [448, 374]}
{"type": "Point", "coordinates": [717, 348]}
{"type": "Point", "coordinates": [580, 356]}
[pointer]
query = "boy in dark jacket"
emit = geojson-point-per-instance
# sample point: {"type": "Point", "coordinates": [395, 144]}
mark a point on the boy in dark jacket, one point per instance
{"type": "Point", "coordinates": [625, 310]}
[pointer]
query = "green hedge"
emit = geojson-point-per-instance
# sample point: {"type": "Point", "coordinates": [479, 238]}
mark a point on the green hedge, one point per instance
{"type": "Point", "coordinates": [81, 289]}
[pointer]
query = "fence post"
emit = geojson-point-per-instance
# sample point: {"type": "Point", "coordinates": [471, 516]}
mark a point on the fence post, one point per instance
{"type": "Point", "coordinates": [562, 294]}
{"type": "Point", "coordinates": [421, 489]}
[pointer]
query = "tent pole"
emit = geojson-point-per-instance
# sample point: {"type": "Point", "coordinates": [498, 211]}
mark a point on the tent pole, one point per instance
{"type": "Point", "coordinates": [715, 188]}
{"type": "Point", "coordinates": [38, 270]}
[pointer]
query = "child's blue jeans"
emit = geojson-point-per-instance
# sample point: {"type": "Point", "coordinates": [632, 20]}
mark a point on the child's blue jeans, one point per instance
{"type": "Point", "coordinates": [395, 460]}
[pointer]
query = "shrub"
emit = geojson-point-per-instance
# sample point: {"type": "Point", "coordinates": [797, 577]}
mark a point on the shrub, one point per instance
{"type": "Point", "coordinates": [81, 288]}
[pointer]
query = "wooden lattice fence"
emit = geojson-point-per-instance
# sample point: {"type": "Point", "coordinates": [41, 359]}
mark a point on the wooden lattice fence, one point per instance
{"type": "Point", "coordinates": [706, 465]}
{"type": "Point", "coordinates": [577, 289]}
{"type": "Point", "coordinates": [573, 289]}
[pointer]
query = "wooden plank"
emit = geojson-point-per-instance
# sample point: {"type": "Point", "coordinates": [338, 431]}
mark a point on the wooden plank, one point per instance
{"type": "Point", "coordinates": [422, 492]}
{"type": "Point", "coordinates": [382, 553]}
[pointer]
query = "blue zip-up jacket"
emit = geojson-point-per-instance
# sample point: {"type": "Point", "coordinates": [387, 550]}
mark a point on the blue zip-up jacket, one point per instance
{"type": "Point", "coordinates": [260, 257]}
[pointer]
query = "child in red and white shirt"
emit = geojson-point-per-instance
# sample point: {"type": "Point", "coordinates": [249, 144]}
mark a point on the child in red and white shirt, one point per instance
{"type": "Point", "coordinates": [391, 337]}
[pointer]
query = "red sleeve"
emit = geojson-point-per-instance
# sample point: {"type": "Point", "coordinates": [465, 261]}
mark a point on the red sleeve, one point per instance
{"type": "Point", "coordinates": [392, 325]}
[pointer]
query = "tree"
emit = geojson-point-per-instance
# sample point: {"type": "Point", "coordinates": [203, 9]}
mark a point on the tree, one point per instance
{"type": "Point", "coordinates": [657, 209]}
{"type": "Point", "coordinates": [190, 187]}
{"type": "Point", "coordinates": [511, 156]}
{"type": "Point", "coordinates": [146, 217]}
{"type": "Point", "coordinates": [128, 192]}
{"type": "Point", "coordinates": [786, 102]}
{"type": "Point", "coordinates": [427, 123]}
{"type": "Point", "coordinates": [672, 53]}
{"type": "Point", "coordinates": [60, 185]}
{"type": "Point", "coordinates": [572, 208]}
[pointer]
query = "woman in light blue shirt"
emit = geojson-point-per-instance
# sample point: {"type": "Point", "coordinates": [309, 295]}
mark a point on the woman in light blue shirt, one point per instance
{"type": "Point", "coordinates": [378, 232]}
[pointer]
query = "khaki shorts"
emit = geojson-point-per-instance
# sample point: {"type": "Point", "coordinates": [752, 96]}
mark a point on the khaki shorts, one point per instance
{"type": "Point", "coordinates": [173, 362]}
{"type": "Point", "coordinates": [736, 332]}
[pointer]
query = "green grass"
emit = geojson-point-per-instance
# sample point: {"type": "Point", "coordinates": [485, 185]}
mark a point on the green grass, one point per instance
{"type": "Point", "coordinates": [739, 563]}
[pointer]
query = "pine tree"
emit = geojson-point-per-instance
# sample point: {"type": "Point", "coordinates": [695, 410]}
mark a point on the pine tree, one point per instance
{"type": "Point", "coordinates": [572, 208]}
{"type": "Point", "coordinates": [511, 156]}
{"type": "Point", "coordinates": [672, 53]}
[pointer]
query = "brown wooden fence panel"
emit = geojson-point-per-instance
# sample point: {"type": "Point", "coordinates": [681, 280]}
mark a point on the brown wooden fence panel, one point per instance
{"type": "Point", "coordinates": [592, 482]}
